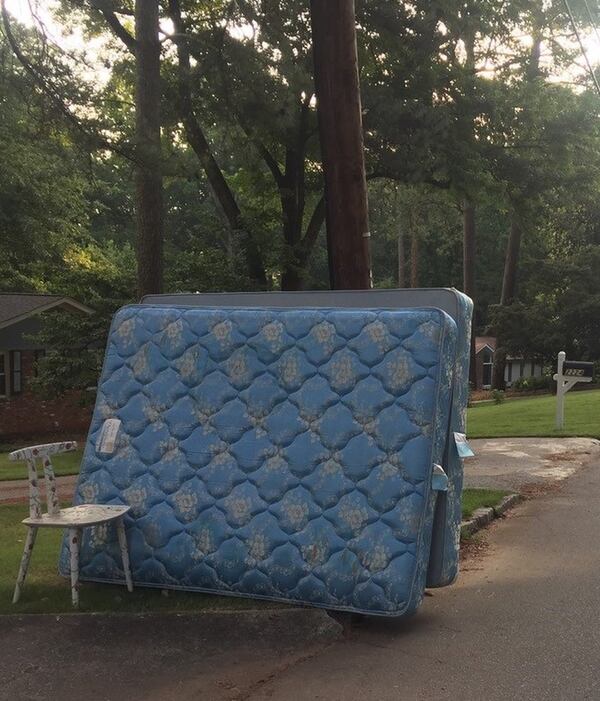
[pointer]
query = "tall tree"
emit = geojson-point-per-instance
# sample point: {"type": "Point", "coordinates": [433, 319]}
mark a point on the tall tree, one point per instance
{"type": "Point", "coordinates": [532, 79]}
{"type": "Point", "coordinates": [340, 126]}
{"type": "Point", "coordinates": [469, 261]}
{"type": "Point", "coordinates": [149, 185]}
{"type": "Point", "coordinates": [220, 189]}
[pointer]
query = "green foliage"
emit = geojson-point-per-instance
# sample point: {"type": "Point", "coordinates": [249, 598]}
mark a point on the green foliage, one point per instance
{"type": "Point", "coordinates": [42, 191]}
{"type": "Point", "coordinates": [532, 384]}
{"type": "Point", "coordinates": [456, 104]}
{"type": "Point", "coordinates": [104, 279]}
{"type": "Point", "coordinates": [562, 309]}
{"type": "Point", "coordinates": [498, 396]}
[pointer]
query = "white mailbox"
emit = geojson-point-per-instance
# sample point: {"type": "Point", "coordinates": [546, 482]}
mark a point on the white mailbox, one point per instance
{"type": "Point", "coordinates": [570, 372]}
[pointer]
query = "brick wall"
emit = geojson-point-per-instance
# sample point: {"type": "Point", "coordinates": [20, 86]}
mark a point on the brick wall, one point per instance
{"type": "Point", "coordinates": [27, 416]}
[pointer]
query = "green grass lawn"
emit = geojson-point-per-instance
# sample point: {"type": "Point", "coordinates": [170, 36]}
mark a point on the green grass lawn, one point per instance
{"type": "Point", "coordinates": [64, 464]}
{"type": "Point", "coordinates": [477, 498]}
{"type": "Point", "coordinates": [46, 592]}
{"type": "Point", "coordinates": [536, 416]}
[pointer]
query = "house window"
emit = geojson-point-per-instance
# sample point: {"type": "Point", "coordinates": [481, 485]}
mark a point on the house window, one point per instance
{"type": "Point", "coordinates": [17, 375]}
{"type": "Point", "coordinates": [3, 374]}
{"type": "Point", "coordinates": [488, 364]}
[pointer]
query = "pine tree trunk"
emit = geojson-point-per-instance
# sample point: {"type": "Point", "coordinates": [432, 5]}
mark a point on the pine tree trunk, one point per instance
{"type": "Point", "coordinates": [509, 291]}
{"type": "Point", "coordinates": [498, 381]}
{"type": "Point", "coordinates": [340, 127]}
{"type": "Point", "coordinates": [401, 260]}
{"type": "Point", "coordinates": [509, 281]}
{"type": "Point", "coordinates": [469, 258]}
{"type": "Point", "coordinates": [414, 259]}
{"type": "Point", "coordinates": [148, 179]}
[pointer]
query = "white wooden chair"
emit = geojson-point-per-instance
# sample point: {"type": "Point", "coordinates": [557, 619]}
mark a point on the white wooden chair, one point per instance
{"type": "Point", "coordinates": [74, 518]}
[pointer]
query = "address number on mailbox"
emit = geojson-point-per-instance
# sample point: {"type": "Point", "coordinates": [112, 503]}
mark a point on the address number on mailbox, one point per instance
{"type": "Point", "coordinates": [578, 369]}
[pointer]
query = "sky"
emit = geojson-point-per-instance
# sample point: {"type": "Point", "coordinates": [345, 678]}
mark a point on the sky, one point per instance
{"type": "Point", "coordinates": [22, 11]}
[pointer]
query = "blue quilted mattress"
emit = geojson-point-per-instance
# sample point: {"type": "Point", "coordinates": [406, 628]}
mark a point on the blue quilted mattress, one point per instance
{"type": "Point", "coordinates": [284, 454]}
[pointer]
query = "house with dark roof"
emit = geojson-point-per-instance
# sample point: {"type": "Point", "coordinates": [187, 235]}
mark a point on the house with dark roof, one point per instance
{"type": "Point", "coordinates": [516, 367]}
{"type": "Point", "coordinates": [22, 413]}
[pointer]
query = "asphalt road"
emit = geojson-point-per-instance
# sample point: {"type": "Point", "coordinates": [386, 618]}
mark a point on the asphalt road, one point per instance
{"type": "Point", "coordinates": [522, 623]}
{"type": "Point", "coordinates": [157, 657]}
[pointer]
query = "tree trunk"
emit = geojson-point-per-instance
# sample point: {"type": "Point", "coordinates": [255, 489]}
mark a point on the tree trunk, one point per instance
{"type": "Point", "coordinates": [291, 279]}
{"type": "Point", "coordinates": [340, 127]}
{"type": "Point", "coordinates": [292, 194]}
{"type": "Point", "coordinates": [468, 248]}
{"type": "Point", "coordinates": [148, 179]}
{"type": "Point", "coordinates": [414, 259]}
{"type": "Point", "coordinates": [401, 260]}
{"type": "Point", "coordinates": [469, 258]}
{"type": "Point", "coordinates": [509, 291]}
{"type": "Point", "coordinates": [509, 282]}
{"type": "Point", "coordinates": [219, 187]}
{"type": "Point", "coordinates": [499, 368]}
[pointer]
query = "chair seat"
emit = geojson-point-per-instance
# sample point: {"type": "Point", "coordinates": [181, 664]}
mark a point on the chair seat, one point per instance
{"type": "Point", "coordinates": [79, 516]}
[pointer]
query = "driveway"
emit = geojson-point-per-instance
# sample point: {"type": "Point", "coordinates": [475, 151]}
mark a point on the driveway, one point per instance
{"type": "Point", "coordinates": [515, 463]}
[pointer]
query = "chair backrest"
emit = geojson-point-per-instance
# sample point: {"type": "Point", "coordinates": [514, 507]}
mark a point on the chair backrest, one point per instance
{"type": "Point", "coordinates": [31, 455]}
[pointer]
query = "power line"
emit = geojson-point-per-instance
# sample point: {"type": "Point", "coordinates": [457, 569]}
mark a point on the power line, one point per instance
{"type": "Point", "coordinates": [581, 46]}
{"type": "Point", "coordinates": [592, 20]}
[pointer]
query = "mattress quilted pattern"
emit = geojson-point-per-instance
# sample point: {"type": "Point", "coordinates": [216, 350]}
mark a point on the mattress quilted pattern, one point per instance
{"type": "Point", "coordinates": [280, 454]}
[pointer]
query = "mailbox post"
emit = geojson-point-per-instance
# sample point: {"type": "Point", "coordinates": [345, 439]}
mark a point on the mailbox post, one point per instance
{"type": "Point", "coordinates": [569, 373]}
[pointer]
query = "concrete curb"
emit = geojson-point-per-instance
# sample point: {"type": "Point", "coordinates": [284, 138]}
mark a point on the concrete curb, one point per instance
{"type": "Point", "coordinates": [483, 517]}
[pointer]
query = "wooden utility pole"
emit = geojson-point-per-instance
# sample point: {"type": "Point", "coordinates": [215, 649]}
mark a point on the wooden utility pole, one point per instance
{"type": "Point", "coordinates": [148, 180]}
{"type": "Point", "coordinates": [342, 147]}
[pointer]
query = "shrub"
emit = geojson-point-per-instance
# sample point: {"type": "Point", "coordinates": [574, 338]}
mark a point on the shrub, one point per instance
{"type": "Point", "coordinates": [498, 396]}
{"type": "Point", "coordinates": [531, 384]}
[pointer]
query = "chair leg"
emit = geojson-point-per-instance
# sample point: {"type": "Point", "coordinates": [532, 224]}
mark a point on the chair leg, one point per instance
{"type": "Point", "coordinates": [74, 543]}
{"type": "Point", "coordinates": [29, 543]}
{"type": "Point", "coordinates": [124, 553]}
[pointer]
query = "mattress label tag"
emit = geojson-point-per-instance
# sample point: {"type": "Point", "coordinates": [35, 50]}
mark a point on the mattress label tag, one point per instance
{"type": "Point", "coordinates": [108, 436]}
{"type": "Point", "coordinates": [439, 480]}
{"type": "Point", "coordinates": [462, 445]}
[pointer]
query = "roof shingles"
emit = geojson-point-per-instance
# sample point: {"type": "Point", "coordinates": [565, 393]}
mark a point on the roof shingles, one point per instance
{"type": "Point", "coordinates": [17, 305]}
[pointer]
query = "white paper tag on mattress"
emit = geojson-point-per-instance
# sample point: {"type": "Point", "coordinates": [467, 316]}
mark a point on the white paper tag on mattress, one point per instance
{"type": "Point", "coordinates": [108, 436]}
{"type": "Point", "coordinates": [463, 447]}
{"type": "Point", "coordinates": [439, 479]}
